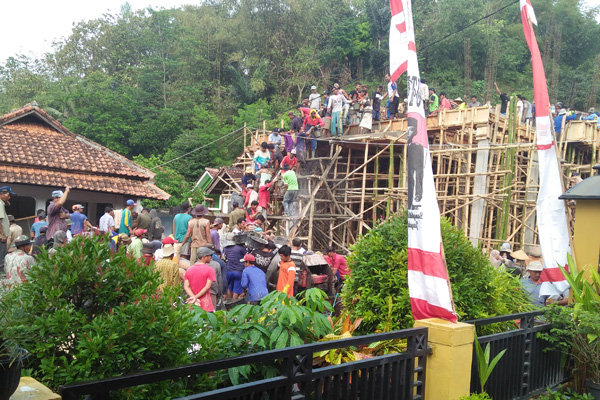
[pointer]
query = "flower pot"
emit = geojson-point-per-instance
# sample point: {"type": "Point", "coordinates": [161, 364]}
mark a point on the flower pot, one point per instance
{"type": "Point", "coordinates": [593, 388]}
{"type": "Point", "coordinates": [10, 375]}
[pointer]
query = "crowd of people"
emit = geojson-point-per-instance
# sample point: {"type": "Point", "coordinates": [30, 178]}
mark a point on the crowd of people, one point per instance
{"type": "Point", "coordinates": [211, 262]}
{"type": "Point", "coordinates": [528, 266]}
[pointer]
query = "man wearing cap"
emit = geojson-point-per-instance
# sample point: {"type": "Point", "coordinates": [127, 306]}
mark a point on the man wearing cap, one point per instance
{"type": "Point", "coordinates": [254, 280]}
{"type": "Point", "coordinates": [126, 225]}
{"type": "Point", "coordinates": [168, 269]}
{"type": "Point", "coordinates": [290, 159]}
{"type": "Point", "coordinates": [334, 107]}
{"type": "Point", "coordinates": [198, 231]}
{"type": "Point", "coordinates": [36, 226]}
{"type": "Point", "coordinates": [251, 195]}
{"type": "Point", "coordinates": [247, 178]}
{"type": "Point", "coordinates": [532, 283]}
{"type": "Point", "coordinates": [275, 137]}
{"type": "Point", "coordinates": [57, 214]}
{"type": "Point", "coordinates": [19, 262]}
{"type": "Point", "coordinates": [314, 98]}
{"type": "Point", "coordinates": [198, 280]}
{"type": "Point", "coordinates": [216, 226]}
{"type": "Point", "coordinates": [15, 231]}
{"type": "Point", "coordinates": [107, 221]}
{"type": "Point", "coordinates": [136, 246]}
{"type": "Point", "coordinates": [233, 252]}
{"type": "Point", "coordinates": [80, 220]}
{"type": "Point", "coordinates": [290, 180]}
{"type": "Point", "coordinates": [558, 121]}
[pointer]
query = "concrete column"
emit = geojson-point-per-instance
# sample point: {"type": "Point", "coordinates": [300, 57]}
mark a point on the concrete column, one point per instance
{"type": "Point", "coordinates": [479, 184]}
{"type": "Point", "coordinates": [31, 389]}
{"type": "Point", "coordinates": [448, 374]}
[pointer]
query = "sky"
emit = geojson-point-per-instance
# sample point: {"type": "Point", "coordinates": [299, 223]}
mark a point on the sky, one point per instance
{"type": "Point", "coordinates": [37, 23]}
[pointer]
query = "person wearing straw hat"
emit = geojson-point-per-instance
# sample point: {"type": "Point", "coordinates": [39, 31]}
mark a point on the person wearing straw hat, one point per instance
{"type": "Point", "coordinates": [198, 231]}
{"type": "Point", "coordinates": [532, 283]}
{"type": "Point", "coordinates": [19, 262]}
{"type": "Point", "coordinates": [168, 269]}
{"type": "Point", "coordinates": [519, 257]}
{"type": "Point", "coordinates": [459, 103]}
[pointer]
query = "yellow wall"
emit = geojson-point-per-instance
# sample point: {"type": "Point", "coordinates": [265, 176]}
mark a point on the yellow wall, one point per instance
{"type": "Point", "coordinates": [586, 241]}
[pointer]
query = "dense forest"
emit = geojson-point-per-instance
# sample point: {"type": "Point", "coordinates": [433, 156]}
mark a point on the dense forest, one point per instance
{"type": "Point", "coordinates": [157, 84]}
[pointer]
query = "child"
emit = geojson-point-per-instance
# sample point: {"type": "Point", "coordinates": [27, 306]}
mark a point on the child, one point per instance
{"type": "Point", "coordinates": [287, 271]}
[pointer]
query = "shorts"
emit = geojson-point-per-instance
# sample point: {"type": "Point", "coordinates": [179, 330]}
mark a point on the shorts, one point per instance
{"type": "Point", "coordinates": [234, 282]}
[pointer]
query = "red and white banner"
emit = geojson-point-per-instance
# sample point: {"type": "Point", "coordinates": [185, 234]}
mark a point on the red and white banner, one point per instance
{"type": "Point", "coordinates": [428, 283]}
{"type": "Point", "coordinates": [551, 218]}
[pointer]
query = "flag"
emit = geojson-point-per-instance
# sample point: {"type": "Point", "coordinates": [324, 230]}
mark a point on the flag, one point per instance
{"type": "Point", "coordinates": [428, 284]}
{"type": "Point", "coordinates": [551, 218]}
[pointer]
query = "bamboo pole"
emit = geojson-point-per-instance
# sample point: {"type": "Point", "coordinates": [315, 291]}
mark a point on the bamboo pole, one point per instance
{"type": "Point", "coordinates": [364, 187]}
{"type": "Point", "coordinates": [390, 180]}
{"type": "Point", "coordinates": [375, 187]}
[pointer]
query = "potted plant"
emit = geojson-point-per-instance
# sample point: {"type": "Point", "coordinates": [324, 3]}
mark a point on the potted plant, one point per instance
{"type": "Point", "coordinates": [576, 329]}
{"type": "Point", "coordinates": [11, 355]}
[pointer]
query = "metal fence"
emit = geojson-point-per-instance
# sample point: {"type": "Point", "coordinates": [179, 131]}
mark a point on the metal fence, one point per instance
{"type": "Point", "coordinates": [398, 376]}
{"type": "Point", "coordinates": [527, 368]}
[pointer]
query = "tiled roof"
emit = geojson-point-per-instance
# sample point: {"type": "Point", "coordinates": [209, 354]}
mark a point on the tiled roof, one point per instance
{"type": "Point", "coordinates": [212, 171]}
{"type": "Point", "coordinates": [39, 150]}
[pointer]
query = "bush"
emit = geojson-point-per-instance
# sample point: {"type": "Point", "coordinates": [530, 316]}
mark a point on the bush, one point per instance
{"type": "Point", "coordinates": [477, 396]}
{"type": "Point", "coordinates": [377, 289]}
{"type": "Point", "coordinates": [85, 314]}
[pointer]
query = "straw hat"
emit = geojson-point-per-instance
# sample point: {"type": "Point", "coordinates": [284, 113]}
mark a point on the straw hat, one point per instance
{"type": "Point", "coordinates": [535, 266]}
{"type": "Point", "coordinates": [519, 255]}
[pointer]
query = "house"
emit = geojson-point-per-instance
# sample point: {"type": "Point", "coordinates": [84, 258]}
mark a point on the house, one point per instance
{"type": "Point", "coordinates": [226, 181]}
{"type": "Point", "coordinates": [41, 155]}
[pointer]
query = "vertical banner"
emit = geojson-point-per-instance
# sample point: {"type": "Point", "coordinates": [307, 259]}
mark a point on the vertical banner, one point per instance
{"type": "Point", "coordinates": [551, 218]}
{"type": "Point", "coordinates": [428, 283]}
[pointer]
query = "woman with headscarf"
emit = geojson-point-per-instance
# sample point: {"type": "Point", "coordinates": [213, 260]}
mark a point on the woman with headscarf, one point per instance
{"type": "Point", "coordinates": [311, 122]}
{"type": "Point", "coordinates": [495, 258]}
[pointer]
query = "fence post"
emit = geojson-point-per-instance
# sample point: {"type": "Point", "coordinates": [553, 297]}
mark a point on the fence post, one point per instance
{"type": "Point", "coordinates": [449, 367]}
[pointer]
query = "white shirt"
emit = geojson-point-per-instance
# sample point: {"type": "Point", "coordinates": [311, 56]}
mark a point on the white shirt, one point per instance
{"type": "Point", "coordinates": [390, 90]}
{"type": "Point", "coordinates": [315, 101]}
{"type": "Point", "coordinates": [336, 102]}
{"type": "Point", "coordinates": [520, 109]}
{"type": "Point", "coordinates": [253, 197]}
{"type": "Point", "coordinates": [424, 91]}
{"type": "Point", "coordinates": [106, 221]}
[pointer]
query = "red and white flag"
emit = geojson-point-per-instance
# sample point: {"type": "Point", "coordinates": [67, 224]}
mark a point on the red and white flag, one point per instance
{"type": "Point", "coordinates": [551, 218]}
{"type": "Point", "coordinates": [428, 284]}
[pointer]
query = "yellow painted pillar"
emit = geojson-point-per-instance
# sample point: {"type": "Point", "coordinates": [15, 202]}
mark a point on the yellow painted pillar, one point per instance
{"type": "Point", "coordinates": [586, 240]}
{"type": "Point", "coordinates": [31, 389]}
{"type": "Point", "coordinates": [448, 374]}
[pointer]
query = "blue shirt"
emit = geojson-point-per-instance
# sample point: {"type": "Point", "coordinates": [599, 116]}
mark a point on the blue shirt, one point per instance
{"type": "Point", "coordinates": [533, 290]}
{"type": "Point", "coordinates": [255, 280]}
{"type": "Point", "coordinates": [36, 227]}
{"type": "Point", "coordinates": [558, 121]}
{"type": "Point", "coordinates": [300, 141]}
{"type": "Point", "coordinates": [78, 219]}
{"type": "Point", "coordinates": [234, 254]}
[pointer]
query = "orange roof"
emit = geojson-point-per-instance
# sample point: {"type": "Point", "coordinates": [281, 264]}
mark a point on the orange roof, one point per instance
{"type": "Point", "coordinates": [39, 150]}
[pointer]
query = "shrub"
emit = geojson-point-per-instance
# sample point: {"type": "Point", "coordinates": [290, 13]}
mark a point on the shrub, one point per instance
{"type": "Point", "coordinates": [85, 314]}
{"type": "Point", "coordinates": [379, 273]}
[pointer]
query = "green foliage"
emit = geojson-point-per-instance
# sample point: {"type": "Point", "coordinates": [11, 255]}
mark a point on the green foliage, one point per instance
{"type": "Point", "coordinates": [86, 314]}
{"type": "Point", "coordinates": [279, 321]}
{"type": "Point", "coordinates": [565, 394]}
{"type": "Point", "coordinates": [379, 270]}
{"type": "Point", "coordinates": [477, 396]}
{"type": "Point", "coordinates": [484, 365]}
{"type": "Point", "coordinates": [576, 330]}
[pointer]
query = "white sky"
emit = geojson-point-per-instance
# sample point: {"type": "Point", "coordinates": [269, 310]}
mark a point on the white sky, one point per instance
{"type": "Point", "coordinates": [30, 27]}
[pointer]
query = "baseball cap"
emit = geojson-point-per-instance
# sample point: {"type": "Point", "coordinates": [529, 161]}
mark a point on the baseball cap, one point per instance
{"type": "Point", "coordinates": [11, 218]}
{"type": "Point", "coordinates": [313, 87]}
{"type": "Point", "coordinates": [7, 189]}
{"type": "Point", "coordinates": [169, 240]}
{"type": "Point", "coordinates": [130, 202]}
{"type": "Point", "coordinates": [204, 251]}
{"type": "Point", "coordinates": [140, 232]}
{"type": "Point", "coordinates": [293, 151]}
{"type": "Point", "coordinates": [57, 193]}
{"type": "Point", "coordinates": [78, 206]}
{"type": "Point", "coordinates": [218, 221]}
{"type": "Point", "coordinates": [505, 247]}
{"type": "Point", "coordinates": [248, 257]}
{"type": "Point", "coordinates": [124, 238]}
{"type": "Point", "coordinates": [250, 185]}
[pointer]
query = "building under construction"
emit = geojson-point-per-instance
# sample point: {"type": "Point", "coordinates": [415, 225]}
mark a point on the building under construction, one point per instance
{"type": "Point", "coordinates": [484, 165]}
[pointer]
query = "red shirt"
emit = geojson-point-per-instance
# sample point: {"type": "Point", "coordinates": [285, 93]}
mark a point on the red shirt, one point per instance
{"type": "Point", "coordinates": [445, 104]}
{"type": "Point", "coordinates": [289, 161]}
{"type": "Point", "coordinates": [264, 195]}
{"type": "Point", "coordinates": [287, 273]}
{"type": "Point", "coordinates": [305, 112]}
{"type": "Point", "coordinates": [312, 122]}
{"type": "Point", "coordinates": [338, 262]}
{"type": "Point", "coordinates": [198, 275]}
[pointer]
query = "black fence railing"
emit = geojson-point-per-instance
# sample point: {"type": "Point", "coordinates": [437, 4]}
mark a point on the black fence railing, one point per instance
{"type": "Point", "coordinates": [397, 376]}
{"type": "Point", "coordinates": [528, 367]}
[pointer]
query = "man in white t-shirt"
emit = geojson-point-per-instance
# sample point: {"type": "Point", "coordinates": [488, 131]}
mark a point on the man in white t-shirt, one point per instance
{"type": "Point", "coordinates": [520, 107]}
{"type": "Point", "coordinates": [424, 95]}
{"type": "Point", "coordinates": [392, 93]}
{"type": "Point", "coordinates": [314, 98]}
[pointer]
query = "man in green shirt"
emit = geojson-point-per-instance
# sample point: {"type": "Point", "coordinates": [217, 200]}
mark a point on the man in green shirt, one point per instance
{"type": "Point", "coordinates": [434, 101]}
{"type": "Point", "coordinates": [180, 227]}
{"type": "Point", "coordinates": [290, 180]}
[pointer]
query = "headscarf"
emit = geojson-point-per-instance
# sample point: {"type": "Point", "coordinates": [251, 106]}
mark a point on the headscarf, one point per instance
{"type": "Point", "coordinates": [60, 237]}
{"type": "Point", "coordinates": [494, 258]}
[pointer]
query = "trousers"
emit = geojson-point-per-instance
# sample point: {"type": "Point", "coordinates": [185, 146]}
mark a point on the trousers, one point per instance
{"type": "Point", "coordinates": [336, 123]}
